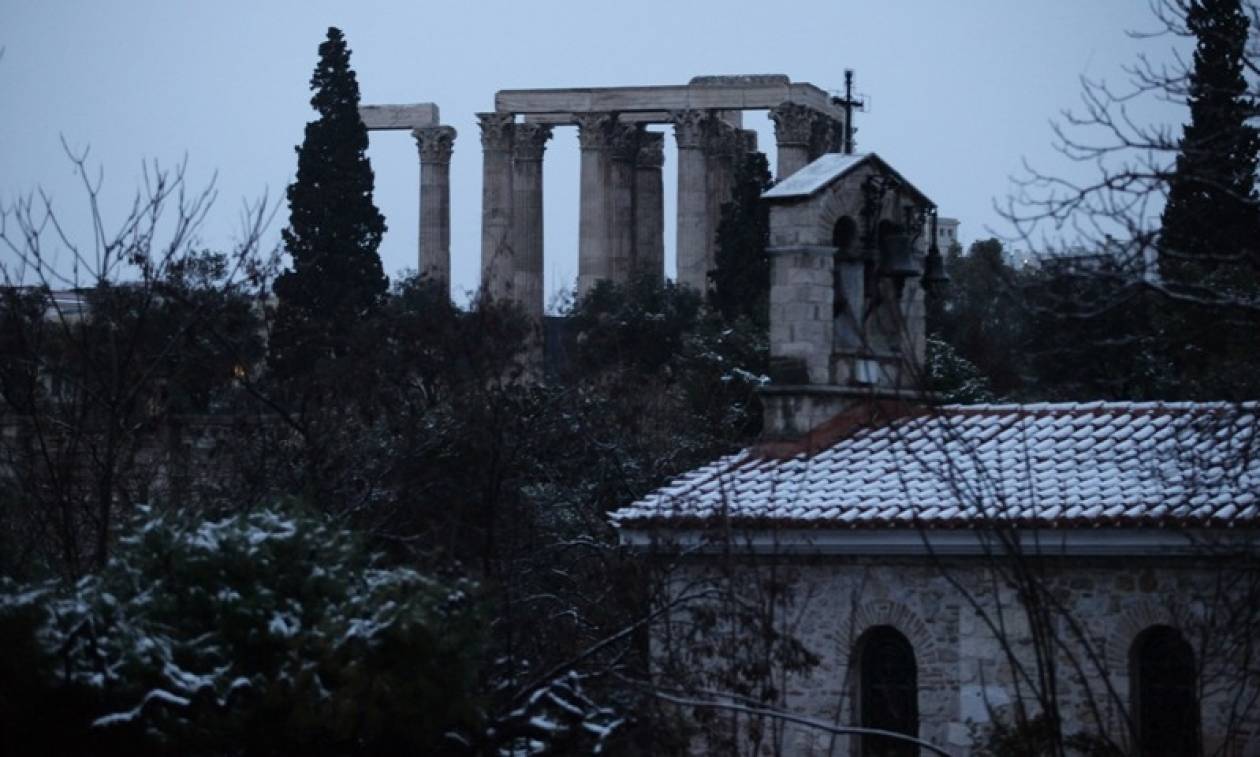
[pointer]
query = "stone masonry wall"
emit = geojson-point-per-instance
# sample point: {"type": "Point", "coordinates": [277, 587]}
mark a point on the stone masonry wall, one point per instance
{"type": "Point", "coordinates": [963, 673]}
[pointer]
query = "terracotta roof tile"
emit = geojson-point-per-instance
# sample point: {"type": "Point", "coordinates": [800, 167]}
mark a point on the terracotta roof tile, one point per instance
{"type": "Point", "coordinates": [1091, 463]}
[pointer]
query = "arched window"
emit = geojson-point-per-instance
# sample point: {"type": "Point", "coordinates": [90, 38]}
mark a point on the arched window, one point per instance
{"type": "Point", "coordinates": [843, 235]}
{"type": "Point", "coordinates": [1164, 700]}
{"type": "Point", "coordinates": [888, 694]}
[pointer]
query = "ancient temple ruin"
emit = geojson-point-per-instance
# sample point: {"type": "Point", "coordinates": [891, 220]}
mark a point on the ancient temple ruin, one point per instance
{"type": "Point", "coordinates": [621, 217]}
{"type": "Point", "coordinates": [436, 142]}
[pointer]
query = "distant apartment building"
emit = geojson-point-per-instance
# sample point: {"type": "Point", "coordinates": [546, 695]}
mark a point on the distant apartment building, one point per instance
{"type": "Point", "coordinates": [946, 233]}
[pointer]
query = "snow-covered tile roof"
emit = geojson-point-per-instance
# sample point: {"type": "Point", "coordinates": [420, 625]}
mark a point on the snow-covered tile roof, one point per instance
{"type": "Point", "coordinates": [813, 177]}
{"type": "Point", "coordinates": [1071, 464]}
{"type": "Point", "coordinates": [827, 168]}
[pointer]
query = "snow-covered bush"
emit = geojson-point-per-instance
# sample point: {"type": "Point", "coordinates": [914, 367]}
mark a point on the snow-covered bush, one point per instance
{"type": "Point", "coordinates": [953, 377]}
{"type": "Point", "coordinates": [273, 632]}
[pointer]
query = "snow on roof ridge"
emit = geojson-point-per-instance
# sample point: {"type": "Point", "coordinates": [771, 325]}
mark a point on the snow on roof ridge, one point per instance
{"type": "Point", "coordinates": [1096, 405]}
{"type": "Point", "coordinates": [1097, 462]}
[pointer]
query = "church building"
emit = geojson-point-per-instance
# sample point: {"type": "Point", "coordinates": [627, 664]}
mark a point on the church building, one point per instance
{"type": "Point", "coordinates": [880, 561]}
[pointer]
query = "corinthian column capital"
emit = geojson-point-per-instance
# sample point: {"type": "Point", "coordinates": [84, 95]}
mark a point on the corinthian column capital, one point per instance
{"type": "Point", "coordinates": [530, 141]}
{"type": "Point", "coordinates": [496, 130]}
{"type": "Point", "coordinates": [651, 152]}
{"type": "Point", "coordinates": [623, 141]}
{"type": "Point", "coordinates": [436, 143]}
{"type": "Point", "coordinates": [828, 136]}
{"type": "Point", "coordinates": [793, 124]}
{"type": "Point", "coordinates": [691, 127]}
{"type": "Point", "coordinates": [747, 141]}
{"type": "Point", "coordinates": [722, 139]}
{"type": "Point", "coordinates": [594, 129]}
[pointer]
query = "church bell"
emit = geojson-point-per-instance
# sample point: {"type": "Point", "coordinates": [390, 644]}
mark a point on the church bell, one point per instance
{"type": "Point", "coordinates": [896, 256]}
{"type": "Point", "coordinates": [934, 274]}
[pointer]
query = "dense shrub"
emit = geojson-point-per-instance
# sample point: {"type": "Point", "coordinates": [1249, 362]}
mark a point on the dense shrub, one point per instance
{"type": "Point", "coordinates": [272, 632]}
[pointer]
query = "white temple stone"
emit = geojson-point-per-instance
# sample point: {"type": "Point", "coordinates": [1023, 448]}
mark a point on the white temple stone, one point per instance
{"type": "Point", "coordinates": [498, 266]}
{"type": "Point", "coordinates": [435, 143]}
{"type": "Point", "coordinates": [530, 141]}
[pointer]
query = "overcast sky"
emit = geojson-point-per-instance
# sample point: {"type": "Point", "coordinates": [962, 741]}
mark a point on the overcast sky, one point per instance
{"type": "Point", "coordinates": [959, 92]}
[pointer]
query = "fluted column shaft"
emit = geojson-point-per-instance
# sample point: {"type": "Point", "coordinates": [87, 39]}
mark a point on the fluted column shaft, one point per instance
{"type": "Point", "coordinates": [794, 137]}
{"type": "Point", "coordinates": [497, 254]}
{"type": "Point", "coordinates": [747, 142]}
{"type": "Point", "coordinates": [529, 142]}
{"type": "Point", "coordinates": [594, 134]}
{"type": "Point", "coordinates": [723, 144]}
{"type": "Point", "coordinates": [649, 205]}
{"type": "Point", "coordinates": [622, 155]}
{"type": "Point", "coordinates": [435, 143]}
{"type": "Point", "coordinates": [691, 128]}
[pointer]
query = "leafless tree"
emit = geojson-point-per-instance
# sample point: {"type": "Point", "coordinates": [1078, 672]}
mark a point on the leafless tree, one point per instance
{"type": "Point", "coordinates": [101, 330]}
{"type": "Point", "coordinates": [1113, 201]}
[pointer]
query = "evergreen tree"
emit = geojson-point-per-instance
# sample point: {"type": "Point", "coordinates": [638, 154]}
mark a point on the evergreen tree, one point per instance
{"type": "Point", "coordinates": [1210, 238]}
{"type": "Point", "coordinates": [953, 378]}
{"type": "Point", "coordinates": [1088, 334]}
{"type": "Point", "coordinates": [270, 632]}
{"type": "Point", "coordinates": [334, 227]}
{"type": "Point", "coordinates": [979, 315]}
{"type": "Point", "coordinates": [741, 275]}
{"type": "Point", "coordinates": [1212, 218]}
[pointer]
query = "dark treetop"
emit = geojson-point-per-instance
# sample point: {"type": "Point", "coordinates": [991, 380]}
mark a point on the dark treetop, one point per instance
{"type": "Point", "coordinates": [334, 227]}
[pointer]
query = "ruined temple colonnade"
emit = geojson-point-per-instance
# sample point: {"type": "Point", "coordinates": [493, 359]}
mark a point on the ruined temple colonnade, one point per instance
{"type": "Point", "coordinates": [621, 213]}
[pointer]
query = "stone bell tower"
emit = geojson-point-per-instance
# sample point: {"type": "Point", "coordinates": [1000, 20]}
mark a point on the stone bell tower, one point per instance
{"type": "Point", "coordinates": [848, 258]}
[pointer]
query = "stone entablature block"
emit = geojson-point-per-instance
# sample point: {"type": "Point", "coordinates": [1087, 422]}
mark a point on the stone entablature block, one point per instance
{"type": "Point", "coordinates": [703, 93]}
{"type": "Point", "coordinates": [386, 117]}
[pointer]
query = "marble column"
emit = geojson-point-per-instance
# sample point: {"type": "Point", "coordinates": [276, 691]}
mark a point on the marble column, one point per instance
{"type": "Point", "coordinates": [436, 143]}
{"type": "Point", "coordinates": [827, 136]}
{"type": "Point", "coordinates": [836, 127]}
{"type": "Point", "coordinates": [793, 134]}
{"type": "Point", "coordinates": [622, 154]}
{"type": "Point", "coordinates": [649, 205]}
{"type": "Point", "coordinates": [594, 132]}
{"type": "Point", "coordinates": [528, 144]}
{"type": "Point", "coordinates": [497, 255]}
{"type": "Point", "coordinates": [691, 129]}
{"type": "Point", "coordinates": [723, 147]}
{"type": "Point", "coordinates": [748, 143]}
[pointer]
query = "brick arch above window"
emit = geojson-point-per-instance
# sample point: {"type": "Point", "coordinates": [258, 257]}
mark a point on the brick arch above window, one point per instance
{"type": "Point", "coordinates": [887, 613]}
{"type": "Point", "coordinates": [1129, 626]}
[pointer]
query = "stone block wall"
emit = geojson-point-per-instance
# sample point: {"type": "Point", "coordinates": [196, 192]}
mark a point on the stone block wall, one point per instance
{"type": "Point", "coordinates": [965, 673]}
{"type": "Point", "coordinates": [801, 302]}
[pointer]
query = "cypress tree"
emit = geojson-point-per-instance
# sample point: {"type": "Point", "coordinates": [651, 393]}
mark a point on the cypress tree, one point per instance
{"type": "Point", "coordinates": [1209, 254]}
{"type": "Point", "coordinates": [1212, 218]}
{"type": "Point", "coordinates": [334, 228]}
{"type": "Point", "coordinates": [741, 275]}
